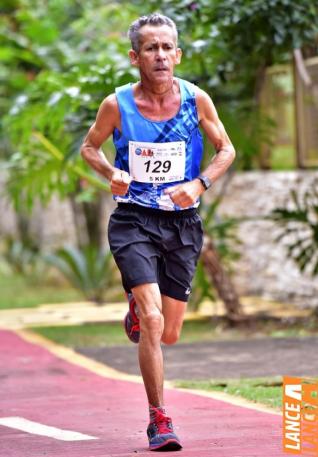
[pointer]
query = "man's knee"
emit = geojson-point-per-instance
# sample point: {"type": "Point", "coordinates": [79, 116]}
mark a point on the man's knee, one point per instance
{"type": "Point", "coordinates": [151, 323]}
{"type": "Point", "coordinates": [170, 337]}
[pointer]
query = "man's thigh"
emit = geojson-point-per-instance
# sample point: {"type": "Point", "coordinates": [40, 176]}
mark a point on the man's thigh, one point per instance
{"type": "Point", "coordinates": [178, 265]}
{"type": "Point", "coordinates": [135, 255]}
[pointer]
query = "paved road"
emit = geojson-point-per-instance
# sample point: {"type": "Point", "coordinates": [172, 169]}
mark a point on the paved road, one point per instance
{"type": "Point", "coordinates": [42, 388]}
{"type": "Point", "coordinates": [222, 359]}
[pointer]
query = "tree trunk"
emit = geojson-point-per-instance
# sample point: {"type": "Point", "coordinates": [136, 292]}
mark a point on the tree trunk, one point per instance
{"type": "Point", "coordinates": [79, 219]}
{"type": "Point", "coordinates": [93, 215]}
{"type": "Point", "coordinates": [221, 280]}
{"type": "Point", "coordinates": [259, 96]}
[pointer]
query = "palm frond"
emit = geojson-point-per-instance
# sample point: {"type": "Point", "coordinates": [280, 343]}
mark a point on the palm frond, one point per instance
{"type": "Point", "coordinates": [299, 226]}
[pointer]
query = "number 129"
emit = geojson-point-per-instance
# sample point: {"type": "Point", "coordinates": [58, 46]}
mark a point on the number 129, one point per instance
{"type": "Point", "coordinates": [158, 166]}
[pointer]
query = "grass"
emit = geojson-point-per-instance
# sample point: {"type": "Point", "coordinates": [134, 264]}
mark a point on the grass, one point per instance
{"type": "Point", "coordinates": [89, 335]}
{"type": "Point", "coordinates": [21, 292]}
{"type": "Point", "coordinates": [267, 391]}
{"type": "Point", "coordinates": [112, 333]}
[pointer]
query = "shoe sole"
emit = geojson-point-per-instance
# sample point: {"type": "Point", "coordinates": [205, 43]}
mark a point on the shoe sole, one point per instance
{"type": "Point", "coordinates": [169, 445]}
{"type": "Point", "coordinates": [132, 304]}
{"type": "Point", "coordinates": [128, 335]}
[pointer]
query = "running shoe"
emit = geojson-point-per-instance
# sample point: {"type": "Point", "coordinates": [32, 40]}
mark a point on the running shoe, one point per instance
{"type": "Point", "coordinates": [161, 435]}
{"type": "Point", "coordinates": [131, 322]}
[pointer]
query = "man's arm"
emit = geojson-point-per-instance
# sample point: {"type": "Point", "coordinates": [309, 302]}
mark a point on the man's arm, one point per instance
{"type": "Point", "coordinates": [107, 119]}
{"type": "Point", "coordinates": [186, 194]}
{"type": "Point", "coordinates": [215, 131]}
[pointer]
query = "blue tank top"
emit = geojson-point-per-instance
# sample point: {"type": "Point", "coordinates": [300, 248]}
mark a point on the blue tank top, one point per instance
{"type": "Point", "coordinates": [184, 127]}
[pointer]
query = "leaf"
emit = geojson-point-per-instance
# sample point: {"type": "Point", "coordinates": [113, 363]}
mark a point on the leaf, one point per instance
{"type": "Point", "coordinates": [88, 270]}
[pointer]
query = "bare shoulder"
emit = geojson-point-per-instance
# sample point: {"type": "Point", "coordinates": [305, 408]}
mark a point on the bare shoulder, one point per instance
{"type": "Point", "coordinates": [109, 105]}
{"type": "Point", "coordinates": [109, 111]}
{"type": "Point", "coordinates": [107, 119]}
{"type": "Point", "coordinates": [200, 95]}
{"type": "Point", "coordinates": [205, 105]}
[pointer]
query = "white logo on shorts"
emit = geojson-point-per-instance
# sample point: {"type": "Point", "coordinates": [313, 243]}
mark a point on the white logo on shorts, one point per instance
{"type": "Point", "coordinates": [188, 291]}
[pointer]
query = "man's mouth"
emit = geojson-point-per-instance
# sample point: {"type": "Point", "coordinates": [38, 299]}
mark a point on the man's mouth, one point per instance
{"type": "Point", "coordinates": [161, 69]}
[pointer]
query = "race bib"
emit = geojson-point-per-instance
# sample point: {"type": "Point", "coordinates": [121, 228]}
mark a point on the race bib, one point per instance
{"type": "Point", "coordinates": [157, 163]}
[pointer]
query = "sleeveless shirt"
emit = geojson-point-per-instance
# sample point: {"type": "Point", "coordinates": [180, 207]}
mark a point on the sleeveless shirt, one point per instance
{"type": "Point", "coordinates": [135, 128]}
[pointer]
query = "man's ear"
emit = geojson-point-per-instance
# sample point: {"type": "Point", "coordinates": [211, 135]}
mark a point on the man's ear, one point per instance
{"type": "Point", "coordinates": [178, 55]}
{"type": "Point", "coordinates": [133, 56]}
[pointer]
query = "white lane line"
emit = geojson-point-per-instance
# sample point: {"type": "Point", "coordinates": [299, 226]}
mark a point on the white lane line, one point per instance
{"type": "Point", "coordinates": [36, 428]}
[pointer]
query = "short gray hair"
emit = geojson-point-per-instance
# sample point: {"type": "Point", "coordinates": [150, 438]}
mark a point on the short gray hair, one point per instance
{"type": "Point", "coordinates": [155, 19]}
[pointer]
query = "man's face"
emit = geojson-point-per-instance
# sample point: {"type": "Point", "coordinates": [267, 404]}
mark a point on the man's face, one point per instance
{"type": "Point", "coordinates": [157, 54]}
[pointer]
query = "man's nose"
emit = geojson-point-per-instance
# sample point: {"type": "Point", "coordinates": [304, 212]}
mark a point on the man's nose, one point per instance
{"type": "Point", "coordinates": [160, 53]}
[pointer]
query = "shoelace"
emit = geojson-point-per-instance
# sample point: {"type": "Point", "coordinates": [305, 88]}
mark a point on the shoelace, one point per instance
{"type": "Point", "coordinates": [163, 424]}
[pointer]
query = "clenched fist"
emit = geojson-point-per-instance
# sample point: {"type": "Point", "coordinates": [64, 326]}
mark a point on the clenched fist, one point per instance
{"type": "Point", "coordinates": [185, 194]}
{"type": "Point", "coordinates": [120, 182]}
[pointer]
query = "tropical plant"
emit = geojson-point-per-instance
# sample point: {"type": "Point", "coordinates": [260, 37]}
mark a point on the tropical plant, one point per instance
{"type": "Point", "coordinates": [299, 227]}
{"type": "Point", "coordinates": [227, 41]}
{"type": "Point", "coordinates": [49, 117]}
{"type": "Point", "coordinates": [89, 270]}
{"type": "Point", "coordinates": [58, 77]}
{"type": "Point", "coordinates": [20, 257]}
{"type": "Point", "coordinates": [228, 46]}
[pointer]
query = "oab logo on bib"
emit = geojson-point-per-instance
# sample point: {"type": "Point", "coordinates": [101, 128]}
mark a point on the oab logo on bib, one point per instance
{"type": "Point", "coordinates": [157, 162]}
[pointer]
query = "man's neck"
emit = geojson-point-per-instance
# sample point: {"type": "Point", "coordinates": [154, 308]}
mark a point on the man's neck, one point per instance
{"type": "Point", "coordinates": [157, 92]}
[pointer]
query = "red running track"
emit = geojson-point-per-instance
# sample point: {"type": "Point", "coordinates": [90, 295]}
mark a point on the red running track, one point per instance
{"type": "Point", "coordinates": [37, 385]}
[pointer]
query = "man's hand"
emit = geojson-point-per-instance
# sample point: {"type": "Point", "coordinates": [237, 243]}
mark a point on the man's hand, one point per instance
{"type": "Point", "coordinates": [185, 194]}
{"type": "Point", "coordinates": [120, 182]}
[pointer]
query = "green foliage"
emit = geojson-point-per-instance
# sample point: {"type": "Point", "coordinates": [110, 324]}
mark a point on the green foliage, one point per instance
{"type": "Point", "coordinates": [227, 46]}
{"type": "Point", "coordinates": [67, 72]}
{"type": "Point", "coordinates": [299, 224]}
{"type": "Point", "coordinates": [248, 129]}
{"type": "Point", "coordinates": [60, 59]}
{"type": "Point", "coordinates": [20, 291]}
{"type": "Point", "coordinates": [267, 391]}
{"type": "Point", "coordinates": [21, 258]}
{"type": "Point", "coordinates": [233, 39]}
{"type": "Point", "coordinates": [89, 270]}
{"type": "Point", "coordinates": [44, 171]}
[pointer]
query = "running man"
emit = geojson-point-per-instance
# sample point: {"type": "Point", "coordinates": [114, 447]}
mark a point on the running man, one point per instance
{"type": "Point", "coordinates": [155, 233]}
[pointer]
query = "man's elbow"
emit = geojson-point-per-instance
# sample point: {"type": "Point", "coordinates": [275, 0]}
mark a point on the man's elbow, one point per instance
{"type": "Point", "coordinates": [232, 154]}
{"type": "Point", "coordinates": [229, 153]}
{"type": "Point", "coordinates": [83, 150]}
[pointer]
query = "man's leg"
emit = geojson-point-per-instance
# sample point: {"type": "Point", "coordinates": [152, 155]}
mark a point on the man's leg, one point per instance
{"type": "Point", "coordinates": [151, 321]}
{"type": "Point", "coordinates": [151, 328]}
{"type": "Point", "coordinates": [161, 318]}
{"type": "Point", "coordinates": [173, 312]}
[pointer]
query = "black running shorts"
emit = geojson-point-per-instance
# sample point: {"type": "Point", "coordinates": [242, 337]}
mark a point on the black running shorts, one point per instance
{"type": "Point", "coordinates": [156, 246]}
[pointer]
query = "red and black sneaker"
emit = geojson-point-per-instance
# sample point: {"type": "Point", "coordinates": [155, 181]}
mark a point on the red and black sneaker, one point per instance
{"type": "Point", "coordinates": [161, 435]}
{"type": "Point", "coordinates": [131, 322]}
